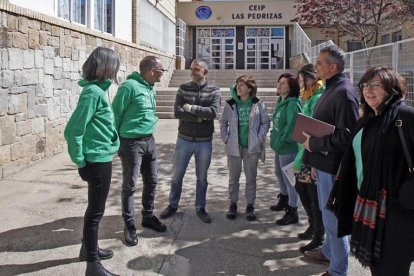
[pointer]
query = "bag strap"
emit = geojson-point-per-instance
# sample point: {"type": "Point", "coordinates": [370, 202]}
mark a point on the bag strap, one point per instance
{"type": "Point", "coordinates": [398, 124]}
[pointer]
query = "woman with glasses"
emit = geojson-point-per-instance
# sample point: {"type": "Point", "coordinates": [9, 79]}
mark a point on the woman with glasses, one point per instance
{"type": "Point", "coordinates": [284, 118]}
{"type": "Point", "coordinates": [365, 199]}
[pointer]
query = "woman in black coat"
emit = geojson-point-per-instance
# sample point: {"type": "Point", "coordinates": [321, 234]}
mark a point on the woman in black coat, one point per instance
{"type": "Point", "coordinates": [365, 199]}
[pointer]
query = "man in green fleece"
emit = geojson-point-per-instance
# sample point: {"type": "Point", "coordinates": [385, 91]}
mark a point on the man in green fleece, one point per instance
{"type": "Point", "coordinates": [135, 120]}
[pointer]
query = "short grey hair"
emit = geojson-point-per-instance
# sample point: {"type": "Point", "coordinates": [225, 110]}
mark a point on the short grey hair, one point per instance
{"type": "Point", "coordinates": [147, 63]}
{"type": "Point", "coordinates": [203, 63]}
{"type": "Point", "coordinates": [336, 56]}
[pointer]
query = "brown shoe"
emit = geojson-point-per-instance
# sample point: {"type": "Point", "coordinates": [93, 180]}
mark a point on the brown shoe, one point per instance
{"type": "Point", "coordinates": [316, 256]}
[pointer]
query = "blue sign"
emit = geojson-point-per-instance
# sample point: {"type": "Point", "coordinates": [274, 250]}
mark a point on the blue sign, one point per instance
{"type": "Point", "coordinates": [203, 12]}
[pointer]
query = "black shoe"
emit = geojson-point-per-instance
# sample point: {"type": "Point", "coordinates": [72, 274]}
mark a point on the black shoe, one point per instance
{"type": "Point", "coordinates": [154, 223]}
{"type": "Point", "coordinates": [232, 213]}
{"type": "Point", "coordinates": [282, 204]}
{"type": "Point", "coordinates": [202, 214]}
{"type": "Point", "coordinates": [290, 217]}
{"type": "Point", "coordinates": [103, 254]}
{"type": "Point", "coordinates": [315, 243]}
{"type": "Point", "coordinates": [250, 214]}
{"type": "Point", "coordinates": [97, 269]}
{"type": "Point", "coordinates": [130, 234]}
{"type": "Point", "coordinates": [168, 212]}
{"type": "Point", "coordinates": [307, 235]}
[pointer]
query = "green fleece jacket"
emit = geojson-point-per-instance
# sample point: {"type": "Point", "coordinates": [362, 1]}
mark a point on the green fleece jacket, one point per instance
{"type": "Point", "coordinates": [134, 107]}
{"type": "Point", "coordinates": [243, 110]}
{"type": "Point", "coordinates": [90, 131]}
{"type": "Point", "coordinates": [284, 118]}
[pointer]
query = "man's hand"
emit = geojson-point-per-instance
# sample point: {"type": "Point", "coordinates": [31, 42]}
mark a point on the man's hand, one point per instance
{"type": "Point", "coordinates": [305, 144]}
{"type": "Point", "coordinates": [187, 107]}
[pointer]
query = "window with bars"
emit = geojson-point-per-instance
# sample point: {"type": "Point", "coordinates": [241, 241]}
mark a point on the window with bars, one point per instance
{"type": "Point", "coordinates": [72, 10]}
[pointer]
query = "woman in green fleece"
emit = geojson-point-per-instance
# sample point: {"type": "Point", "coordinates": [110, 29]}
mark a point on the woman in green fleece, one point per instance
{"type": "Point", "coordinates": [92, 142]}
{"type": "Point", "coordinates": [284, 118]}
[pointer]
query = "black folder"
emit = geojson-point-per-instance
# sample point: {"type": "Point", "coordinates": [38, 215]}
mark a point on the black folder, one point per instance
{"type": "Point", "coordinates": [311, 126]}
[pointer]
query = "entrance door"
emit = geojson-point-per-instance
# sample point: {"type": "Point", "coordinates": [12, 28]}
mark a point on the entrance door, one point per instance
{"type": "Point", "coordinates": [264, 48]}
{"type": "Point", "coordinates": [216, 46]}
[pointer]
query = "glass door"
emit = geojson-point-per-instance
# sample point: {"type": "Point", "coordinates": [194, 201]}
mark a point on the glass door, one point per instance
{"type": "Point", "coordinates": [216, 46]}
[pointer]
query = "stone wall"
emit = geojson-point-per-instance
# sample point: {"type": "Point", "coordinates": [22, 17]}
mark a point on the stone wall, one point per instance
{"type": "Point", "coordinates": [40, 61]}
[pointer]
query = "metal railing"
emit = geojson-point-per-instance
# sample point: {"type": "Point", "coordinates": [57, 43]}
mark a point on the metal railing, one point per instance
{"type": "Point", "coordinates": [301, 44]}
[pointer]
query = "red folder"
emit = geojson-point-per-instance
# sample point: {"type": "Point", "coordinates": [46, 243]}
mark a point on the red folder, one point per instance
{"type": "Point", "coordinates": [311, 126]}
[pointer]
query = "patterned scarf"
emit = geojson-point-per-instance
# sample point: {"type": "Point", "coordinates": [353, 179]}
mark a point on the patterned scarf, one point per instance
{"type": "Point", "coordinates": [307, 93]}
{"type": "Point", "coordinates": [371, 204]}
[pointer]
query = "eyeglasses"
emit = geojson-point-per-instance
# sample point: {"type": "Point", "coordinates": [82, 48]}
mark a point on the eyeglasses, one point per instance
{"type": "Point", "coordinates": [372, 84]}
{"type": "Point", "coordinates": [159, 70]}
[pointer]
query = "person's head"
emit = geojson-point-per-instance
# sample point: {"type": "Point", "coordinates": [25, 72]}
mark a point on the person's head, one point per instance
{"type": "Point", "coordinates": [151, 69]}
{"type": "Point", "coordinates": [287, 86]}
{"type": "Point", "coordinates": [307, 76]}
{"type": "Point", "coordinates": [330, 62]}
{"type": "Point", "coordinates": [102, 64]}
{"type": "Point", "coordinates": [378, 85]}
{"type": "Point", "coordinates": [246, 87]}
{"type": "Point", "coordinates": [199, 69]}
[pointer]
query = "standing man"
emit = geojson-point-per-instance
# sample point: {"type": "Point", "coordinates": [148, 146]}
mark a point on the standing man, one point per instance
{"type": "Point", "coordinates": [337, 106]}
{"type": "Point", "coordinates": [196, 105]}
{"type": "Point", "coordinates": [135, 120]}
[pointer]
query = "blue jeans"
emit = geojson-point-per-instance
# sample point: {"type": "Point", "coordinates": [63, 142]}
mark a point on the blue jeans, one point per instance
{"type": "Point", "coordinates": [285, 187]}
{"type": "Point", "coordinates": [184, 149]}
{"type": "Point", "coordinates": [137, 156]}
{"type": "Point", "coordinates": [335, 249]}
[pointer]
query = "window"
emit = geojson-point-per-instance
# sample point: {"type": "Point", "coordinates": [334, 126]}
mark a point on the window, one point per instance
{"type": "Point", "coordinates": [397, 36]}
{"type": "Point", "coordinates": [73, 10]}
{"type": "Point", "coordinates": [104, 10]}
{"type": "Point", "coordinates": [354, 45]}
{"type": "Point", "coordinates": [385, 39]}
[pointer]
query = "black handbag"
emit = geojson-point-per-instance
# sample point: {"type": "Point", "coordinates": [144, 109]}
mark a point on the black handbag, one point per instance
{"type": "Point", "coordinates": [406, 192]}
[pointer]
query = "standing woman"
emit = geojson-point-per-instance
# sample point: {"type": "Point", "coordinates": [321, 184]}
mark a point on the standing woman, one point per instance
{"type": "Point", "coordinates": [92, 142]}
{"type": "Point", "coordinates": [373, 168]}
{"type": "Point", "coordinates": [243, 127]}
{"type": "Point", "coordinates": [284, 118]}
{"type": "Point", "coordinates": [311, 89]}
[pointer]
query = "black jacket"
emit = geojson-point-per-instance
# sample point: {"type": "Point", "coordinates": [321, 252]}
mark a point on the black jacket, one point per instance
{"type": "Point", "coordinates": [197, 125]}
{"type": "Point", "coordinates": [337, 106]}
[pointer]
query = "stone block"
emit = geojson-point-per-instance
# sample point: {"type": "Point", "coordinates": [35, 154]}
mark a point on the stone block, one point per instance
{"type": "Point", "coordinates": [12, 23]}
{"type": "Point", "coordinates": [37, 156]}
{"type": "Point", "coordinates": [46, 27]}
{"type": "Point", "coordinates": [34, 24]}
{"type": "Point", "coordinates": [7, 78]}
{"type": "Point", "coordinates": [38, 125]}
{"type": "Point", "coordinates": [54, 137]}
{"type": "Point", "coordinates": [20, 117]}
{"type": "Point", "coordinates": [67, 65]}
{"type": "Point", "coordinates": [4, 97]}
{"type": "Point", "coordinates": [4, 58]}
{"type": "Point", "coordinates": [68, 41]}
{"type": "Point", "coordinates": [77, 43]}
{"type": "Point", "coordinates": [15, 58]}
{"type": "Point", "coordinates": [58, 73]}
{"type": "Point", "coordinates": [49, 52]}
{"type": "Point", "coordinates": [5, 155]}
{"type": "Point", "coordinates": [55, 31]}
{"type": "Point", "coordinates": [34, 39]}
{"type": "Point", "coordinates": [39, 59]}
{"type": "Point", "coordinates": [18, 103]}
{"type": "Point", "coordinates": [53, 108]}
{"type": "Point", "coordinates": [49, 66]}
{"type": "Point", "coordinates": [28, 59]}
{"type": "Point", "coordinates": [40, 146]}
{"type": "Point", "coordinates": [7, 130]}
{"type": "Point", "coordinates": [23, 24]}
{"type": "Point", "coordinates": [75, 34]}
{"type": "Point", "coordinates": [30, 77]}
{"type": "Point", "coordinates": [23, 148]}
{"type": "Point", "coordinates": [18, 78]}
{"type": "Point", "coordinates": [41, 110]}
{"type": "Point", "coordinates": [31, 105]}
{"type": "Point", "coordinates": [43, 38]}
{"type": "Point", "coordinates": [20, 40]}
{"type": "Point", "coordinates": [23, 128]}
{"type": "Point", "coordinates": [53, 41]}
{"type": "Point", "coordinates": [58, 61]}
{"type": "Point", "coordinates": [48, 85]}
{"type": "Point", "coordinates": [75, 55]}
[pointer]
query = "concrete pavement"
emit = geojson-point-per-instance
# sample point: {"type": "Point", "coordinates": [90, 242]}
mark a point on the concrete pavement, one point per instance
{"type": "Point", "coordinates": [42, 209]}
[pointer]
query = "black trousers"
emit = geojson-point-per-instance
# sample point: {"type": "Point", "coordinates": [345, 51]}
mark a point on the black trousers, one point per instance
{"type": "Point", "coordinates": [308, 195]}
{"type": "Point", "coordinates": [98, 176]}
{"type": "Point", "coordinates": [397, 251]}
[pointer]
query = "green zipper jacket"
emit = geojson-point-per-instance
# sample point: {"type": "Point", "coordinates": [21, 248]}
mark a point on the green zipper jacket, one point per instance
{"type": "Point", "coordinates": [284, 118]}
{"type": "Point", "coordinates": [90, 131]}
{"type": "Point", "coordinates": [134, 107]}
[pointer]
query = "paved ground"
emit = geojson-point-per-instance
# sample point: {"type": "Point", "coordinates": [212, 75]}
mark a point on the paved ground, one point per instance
{"type": "Point", "coordinates": [41, 220]}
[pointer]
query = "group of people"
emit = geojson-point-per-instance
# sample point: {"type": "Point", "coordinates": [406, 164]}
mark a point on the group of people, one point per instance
{"type": "Point", "coordinates": [356, 171]}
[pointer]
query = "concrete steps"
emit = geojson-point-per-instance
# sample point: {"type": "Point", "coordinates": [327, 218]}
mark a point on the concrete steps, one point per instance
{"type": "Point", "coordinates": [166, 98]}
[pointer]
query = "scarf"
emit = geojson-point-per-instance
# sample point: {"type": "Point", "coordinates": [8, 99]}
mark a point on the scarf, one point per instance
{"type": "Point", "coordinates": [370, 209]}
{"type": "Point", "coordinates": [307, 93]}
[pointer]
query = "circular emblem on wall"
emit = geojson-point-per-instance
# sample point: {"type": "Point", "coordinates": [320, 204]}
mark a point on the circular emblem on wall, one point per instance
{"type": "Point", "coordinates": [203, 12]}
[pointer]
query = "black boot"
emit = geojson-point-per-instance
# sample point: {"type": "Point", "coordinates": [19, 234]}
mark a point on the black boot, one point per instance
{"type": "Point", "coordinates": [303, 191]}
{"type": "Point", "coordinates": [307, 235]}
{"type": "Point", "coordinates": [315, 243]}
{"type": "Point", "coordinates": [290, 217]}
{"type": "Point", "coordinates": [103, 254]}
{"type": "Point", "coordinates": [97, 269]}
{"type": "Point", "coordinates": [232, 213]}
{"type": "Point", "coordinates": [282, 204]}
